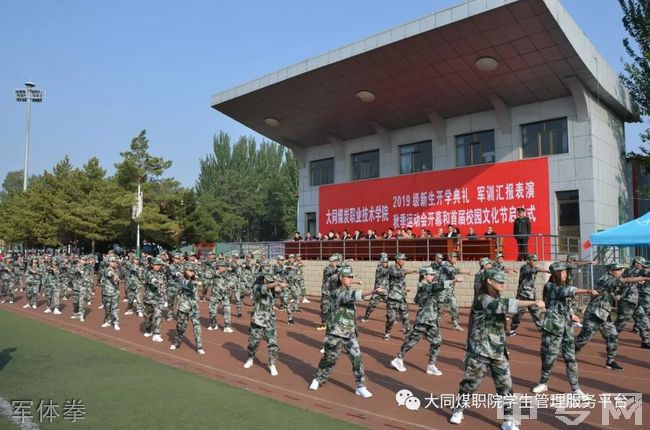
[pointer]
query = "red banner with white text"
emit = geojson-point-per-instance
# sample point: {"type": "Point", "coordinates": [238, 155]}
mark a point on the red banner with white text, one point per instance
{"type": "Point", "coordinates": [476, 196]}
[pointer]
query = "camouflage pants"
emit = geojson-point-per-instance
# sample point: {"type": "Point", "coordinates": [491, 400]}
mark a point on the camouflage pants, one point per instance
{"type": "Point", "coordinates": [333, 347]}
{"type": "Point", "coordinates": [215, 300]}
{"type": "Point", "coordinates": [257, 334]}
{"type": "Point", "coordinates": [325, 305]}
{"type": "Point", "coordinates": [396, 308]}
{"type": "Point", "coordinates": [172, 295]}
{"type": "Point", "coordinates": [554, 345]}
{"type": "Point", "coordinates": [591, 324]}
{"type": "Point", "coordinates": [78, 298]}
{"type": "Point", "coordinates": [372, 304]}
{"type": "Point", "coordinates": [644, 305]}
{"type": "Point", "coordinates": [449, 301]}
{"type": "Point", "coordinates": [239, 292]}
{"type": "Point", "coordinates": [476, 367]}
{"type": "Point", "coordinates": [289, 299]}
{"type": "Point", "coordinates": [432, 332]}
{"type": "Point", "coordinates": [182, 319]}
{"type": "Point", "coordinates": [535, 313]}
{"type": "Point", "coordinates": [627, 311]}
{"type": "Point", "coordinates": [7, 289]}
{"type": "Point", "coordinates": [53, 292]}
{"type": "Point", "coordinates": [303, 288]}
{"type": "Point", "coordinates": [152, 317]}
{"type": "Point", "coordinates": [133, 296]}
{"type": "Point", "coordinates": [111, 304]}
{"type": "Point", "coordinates": [32, 293]}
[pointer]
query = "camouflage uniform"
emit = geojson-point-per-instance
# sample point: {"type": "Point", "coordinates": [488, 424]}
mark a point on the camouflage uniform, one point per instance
{"type": "Point", "coordinates": [301, 279]}
{"type": "Point", "coordinates": [486, 348]}
{"type": "Point", "coordinates": [7, 279]}
{"type": "Point", "coordinates": [247, 277]}
{"type": "Point", "coordinates": [154, 284]}
{"type": "Point", "coordinates": [291, 293]}
{"type": "Point", "coordinates": [188, 309]}
{"type": "Point", "coordinates": [427, 321]}
{"type": "Point", "coordinates": [381, 281]}
{"type": "Point", "coordinates": [238, 286]}
{"type": "Point", "coordinates": [644, 301]}
{"type": "Point", "coordinates": [263, 323]}
{"type": "Point", "coordinates": [628, 305]}
{"type": "Point", "coordinates": [33, 283]}
{"type": "Point", "coordinates": [526, 291]}
{"type": "Point", "coordinates": [77, 273]}
{"type": "Point", "coordinates": [133, 286]}
{"type": "Point", "coordinates": [65, 278]}
{"type": "Point", "coordinates": [341, 335]}
{"type": "Point", "coordinates": [219, 294]}
{"type": "Point", "coordinates": [111, 295]}
{"type": "Point", "coordinates": [597, 316]}
{"type": "Point", "coordinates": [557, 333]}
{"type": "Point", "coordinates": [174, 276]}
{"type": "Point", "coordinates": [448, 275]}
{"type": "Point", "coordinates": [52, 286]}
{"type": "Point", "coordinates": [328, 272]}
{"type": "Point", "coordinates": [396, 299]}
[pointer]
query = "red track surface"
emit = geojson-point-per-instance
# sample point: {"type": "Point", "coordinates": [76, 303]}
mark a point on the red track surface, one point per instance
{"type": "Point", "coordinates": [299, 356]}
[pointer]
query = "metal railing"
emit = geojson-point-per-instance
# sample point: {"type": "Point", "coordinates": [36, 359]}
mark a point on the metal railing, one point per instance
{"type": "Point", "coordinates": [546, 247]}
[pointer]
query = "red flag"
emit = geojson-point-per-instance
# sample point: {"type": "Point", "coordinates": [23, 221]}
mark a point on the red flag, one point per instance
{"type": "Point", "coordinates": [587, 244]}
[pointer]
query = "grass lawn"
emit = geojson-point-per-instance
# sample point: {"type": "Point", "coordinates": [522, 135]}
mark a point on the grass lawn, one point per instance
{"type": "Point", "coordinates": [121, 390]}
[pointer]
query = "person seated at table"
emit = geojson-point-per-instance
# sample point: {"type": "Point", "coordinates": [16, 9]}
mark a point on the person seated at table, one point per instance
{"type": "Point", "coordinates": [308, 236]}
{"type": "Point", "coordinates": [471, 234]}
{"type": "Point", "coordinates": [357, 235]}
{"type": "Point", "coordinates": [371, 235]}
{"type": "Point", "coordinates": [330, 235]}
{"type": "Point", "coordinates": [408, 234]}
{"type": "Point", "coordinates": [346, 235]}
{"type": "Point", "coordinates": [441, 232]}
{"type": "Point", "coordinates": [337, 236]}
{"type": "Point", "coordinates": [319, 236]}
{"type": "Point", "coordinates": [389, 234]}
{"type": "Point", "coordinates": [451, 231]}
{"type": "Point", "coordinates": [297, 237]}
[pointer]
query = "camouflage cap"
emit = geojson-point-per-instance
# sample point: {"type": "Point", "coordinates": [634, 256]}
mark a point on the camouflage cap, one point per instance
{"type": "Point", "coordinates": [292, 256]}
{"type": "Point", "coordinates": [280, 257]}
{"type": "Point", "coordinates": [496, 275]}
{"type": "Point", "coordinates": [422, 269]}
{"type": "Point", "coordinates": [484, 261]}
{"type": "Point", "coordinates": [440, 256]}
{"type": "Point", "coordinates": [268, 276]}
{"type": "Point", "coordinates": [8, 257]}
{"type": "Point", "coordinates": [572, 258]}
{"type": "Point", "coordinates": [234, 254]}
{"type": "Point", "coordinates": [156, 262]}
{"type": "Point", "coordinates": [333, 258]}
{"type": "Point", "coordinates": [499, 255]}
{"type": "Point", "coordinates": [383, 259]}
{"type": "Point", "coordinates": [298, 255]}
{"type": "Point", "coordinates": [211, 253]}
{"type": "Point", "coordinates": [112, 259]}
{"type": "Point", "coordinates": [616, 266]}
{"type": "Point", "coordinates": [400, 256]}
{"type": "Point", "coordinates": [453, 254]}
{"type": "Point", "coordinates": [190, 267]}
{"type": "Point", "coordinates": [428, 270]}
{"type": "Point", "coordinates": [557, 266]}
{"type": "Point", "coordinates": [639, 260]}
{"type": "Point", "coordinates": [346, 272]}
{"type": "Point", "coordinates": [532, 257]}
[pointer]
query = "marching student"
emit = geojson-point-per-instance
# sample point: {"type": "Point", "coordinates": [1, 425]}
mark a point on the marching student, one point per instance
{"type": "Point", "coordinates": [188, 308]}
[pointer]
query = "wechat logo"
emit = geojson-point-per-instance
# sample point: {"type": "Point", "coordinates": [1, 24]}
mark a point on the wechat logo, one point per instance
{"type": "Point", "coordinates": [407, 399]}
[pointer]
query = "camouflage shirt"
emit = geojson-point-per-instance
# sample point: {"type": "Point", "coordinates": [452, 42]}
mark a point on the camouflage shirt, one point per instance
{"type": "Point", "coordinates": [601, 305]}
{"type": "Point", "coordinates": [110, 282]}
{"type": "Point", "coordinates": [342, 319]}
{"type": "Point", "coordinates": [487, 336]}
{"type": "Point", "coordinates": [478, 280]}
{"type": "Point", "coordinates": [429, 312]}
{"type": "Point", "coordinates": [381, 277]}
{"type": "Point", "coordinates": [153, 286]}
{"type": "Point", "coordinates": [187, 301]}
{"type": "Point", "coordinates": [558, 299]}
{"type": "Point", "coordinates": [327, 274]}
{"type": "Point", "coordinates": [448, 274]}
{"type": "Point", "coordinates": [526, 288]}
{"type": "Point", "coordinates": [396, 283]}
{"type": "Point", "coordinates": [630, 292]}
{"type": "Point", "coordinates": [263, 297]}
{"type": "Point", "coordinates": [6, 271]}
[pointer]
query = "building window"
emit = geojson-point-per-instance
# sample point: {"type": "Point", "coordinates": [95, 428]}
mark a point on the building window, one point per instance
{"type": "Point", "coordinates": [310, 223]}
{"type": "Point", "coordinates": [415, 157]}
{"type": "Point", "coordinates": [322, 171]}
{"type": "Point", "coordinates": [365, 165]}
{"type": "Point", "coordinates": [545, 138]}
{"type": "Point", "coordinates": [475, 148]}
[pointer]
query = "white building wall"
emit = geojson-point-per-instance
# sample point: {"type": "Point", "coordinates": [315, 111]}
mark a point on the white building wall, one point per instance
{"type": "Point", "coordinates": [594, 164]}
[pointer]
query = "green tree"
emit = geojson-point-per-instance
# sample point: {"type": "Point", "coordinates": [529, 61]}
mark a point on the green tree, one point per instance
{"type": "Point", "coordinates": [636, 20]}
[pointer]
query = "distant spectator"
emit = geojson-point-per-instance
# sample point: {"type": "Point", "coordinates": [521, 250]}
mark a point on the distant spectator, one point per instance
{"type": "Point", "coordinates": [441, 232]}
{"type": "Point", "coordinates": [490, 232]}
{"type": "Point", "coordinates": [389, 234]}
{"type": "Point", "coordinates": [371, 235]}
{"type": "Point", "coordinates": [451, 231]}
{"type": "Point", "coordinates": [308, 236]}
{"type": "Point", "coordinates": [319, 236]}
{"type": "Point", "coordinates": [471, 234]}
{"type": "Point", "coordinates": [330, 235]}
{"type": "Point", "coordinates": [423, 234]}
{"type": "Point", "coordinates": [409, 233]}
{"type": "Point", "coordinates": [357, 235]}
{"type": "Point", "coordinates": [522, 230]}
{"type": "Point", "coordinates": [297, 237]}
{"type": "Point", "coordinates": [346, 235]}
{"type": "Point", "coordinates": [337, 236]}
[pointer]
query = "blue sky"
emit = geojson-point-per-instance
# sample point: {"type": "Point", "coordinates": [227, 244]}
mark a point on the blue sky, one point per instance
{"type": "Point", "coordinates": [111, 69]}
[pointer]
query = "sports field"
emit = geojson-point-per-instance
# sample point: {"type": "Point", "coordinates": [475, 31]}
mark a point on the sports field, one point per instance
{"type": "Point", "coordinates": [121, 390]}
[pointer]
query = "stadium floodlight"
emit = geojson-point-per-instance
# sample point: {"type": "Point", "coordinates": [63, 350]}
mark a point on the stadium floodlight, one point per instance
{"type": "Point", "coordinates": [28, 94]}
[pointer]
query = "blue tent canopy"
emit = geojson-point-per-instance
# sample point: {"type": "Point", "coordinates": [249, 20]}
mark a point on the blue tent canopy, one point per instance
{"type": "Point", "coordinates": [633, 233]}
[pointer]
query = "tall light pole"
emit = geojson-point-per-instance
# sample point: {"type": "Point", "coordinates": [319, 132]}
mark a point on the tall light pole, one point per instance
{"type": "Point", "coordinates": [136, 211]}
{"type": "Point", "coordinates": [28, 94]}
